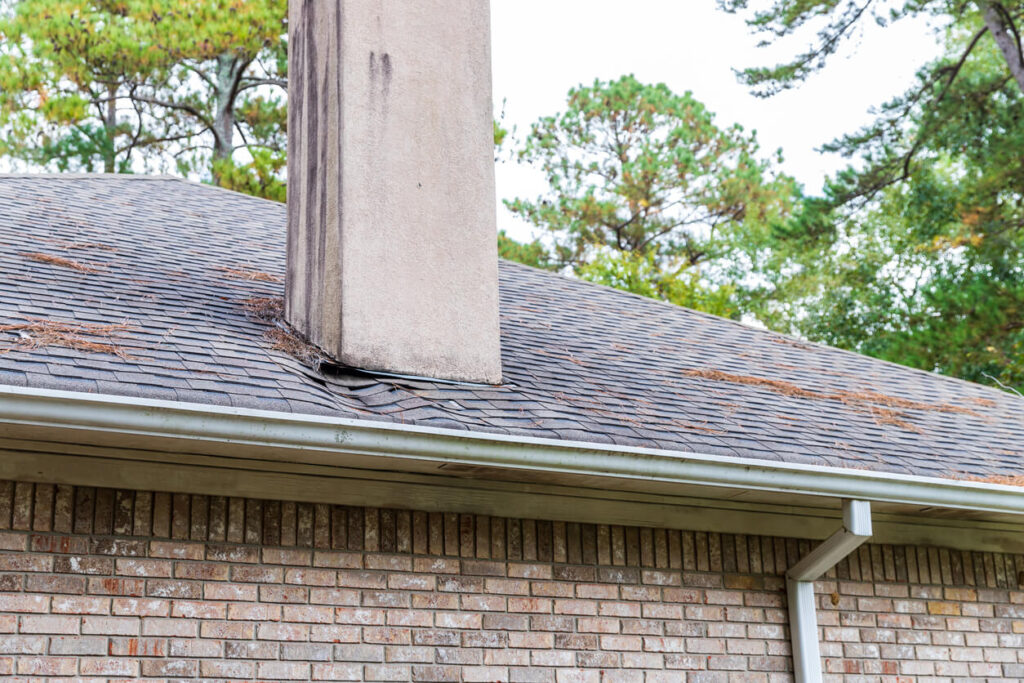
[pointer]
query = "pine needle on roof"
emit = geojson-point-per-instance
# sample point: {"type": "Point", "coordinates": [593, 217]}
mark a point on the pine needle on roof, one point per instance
{"type": "Point", "coordinates": [88, 337]}
{"type": "Point", "coordinates": [281, 336]}
{"type": "Point", "coordinates": [64, 244]}
{"type": "Point", "coordinates": [286, 340]}
{"type": "Point", "coordinates": [62, 262]}
{"type": "Point", "coordinates": [250, 274]}
{"type": "Point", "coordinates": [881, 406]}
{"type": "Point", "coordinates": [1003, 479]}
{"type": "Point", "coordinates": [268, 308]}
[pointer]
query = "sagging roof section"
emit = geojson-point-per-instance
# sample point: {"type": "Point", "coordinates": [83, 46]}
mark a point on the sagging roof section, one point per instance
{"type": "Point", "coordinates": [161, 288]}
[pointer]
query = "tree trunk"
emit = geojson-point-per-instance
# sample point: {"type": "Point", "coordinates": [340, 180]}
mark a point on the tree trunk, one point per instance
{"type": "Point", "coordinates": [229, 74]}
{"type": "Point", "coordinates": [997, 20]}
{"type": "Point", "coordinates": [110, 130]}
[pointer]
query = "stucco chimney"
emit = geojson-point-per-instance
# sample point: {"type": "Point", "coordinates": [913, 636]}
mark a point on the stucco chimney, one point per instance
{"type": "Point", "coordinates": [392, 256]}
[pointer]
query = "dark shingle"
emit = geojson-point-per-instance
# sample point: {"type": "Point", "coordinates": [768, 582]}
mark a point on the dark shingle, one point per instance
{"type": "Point", "coordinates": [581, 362]}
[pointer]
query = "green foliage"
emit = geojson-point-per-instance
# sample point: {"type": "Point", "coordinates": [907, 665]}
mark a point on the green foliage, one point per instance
{"type": "Point", "coordinates": [922, 263]}
{"type": "Point", "coordinates": [124, 85]}
{"type": "Point", "coordinates": [530, 253]}
{"type": "Point", "coordinates": [261, 177]}
{"type": "Point", "coordinates": [643, 181]}
{"type": "Point", "coordinates": [640, 274]}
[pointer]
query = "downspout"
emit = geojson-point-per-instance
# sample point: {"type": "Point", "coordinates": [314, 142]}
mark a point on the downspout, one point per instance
{"type": "Point", "coordinates": [803, 618]}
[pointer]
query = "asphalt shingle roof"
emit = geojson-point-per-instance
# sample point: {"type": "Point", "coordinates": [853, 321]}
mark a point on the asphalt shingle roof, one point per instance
{"type": "Point", "coordinates": [582, 362]}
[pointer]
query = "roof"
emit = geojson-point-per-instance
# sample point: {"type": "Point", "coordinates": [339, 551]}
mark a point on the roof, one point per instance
{"type": "Point", "coordinates": [185, 276]}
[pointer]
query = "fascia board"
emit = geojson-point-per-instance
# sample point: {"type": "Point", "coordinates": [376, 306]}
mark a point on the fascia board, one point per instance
{"type": "Point", "coordinates": [80, 415]}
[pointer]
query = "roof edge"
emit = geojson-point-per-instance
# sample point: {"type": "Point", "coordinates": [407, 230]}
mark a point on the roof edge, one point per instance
{"type": "Point", "coordinates": [107, 415]}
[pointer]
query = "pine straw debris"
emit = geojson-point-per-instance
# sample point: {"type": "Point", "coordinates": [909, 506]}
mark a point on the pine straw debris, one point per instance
{"type": "Point", "coordinates": [249, 274]}
{"type": "Point", "coordinates": [266, 308]}
{"type": "Point", "coordinates": [66, 245]}
{"type": "Point", "coordinates": [281, 336]}
{"type": "Point", "coordinates": [1001, 479]}
{"type": "Point", "coordinates": [883, 408]}
{"type": "Point", "coordinates": [63, 262]}
{"type": "Point", "coordinates": [87, 337]}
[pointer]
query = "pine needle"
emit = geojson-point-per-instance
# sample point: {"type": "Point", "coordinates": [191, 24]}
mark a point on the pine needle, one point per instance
{"type": "Point", "coordinates": [88, 337]}
{"type": "Point", "coordinates": [62, 262]}
{"type": "Point", "coordinates": [250, 274]}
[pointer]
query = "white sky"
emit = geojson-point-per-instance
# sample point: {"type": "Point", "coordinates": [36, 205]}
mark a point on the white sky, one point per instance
{"type": "Point", "coordinates": [542, 48]}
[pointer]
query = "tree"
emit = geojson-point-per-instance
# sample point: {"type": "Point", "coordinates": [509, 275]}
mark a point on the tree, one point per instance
{"type": "Point", "coordinates": [63, 78]}
{"type": "Point", "coordinates": [842, 18]}
{"type": "Point", "coordinates": [914, 255]}
{"type": "Point", "coordinates": [123, 85]}
{"type": "Point", "coordinates": [529, 253]}
{"type": "Point", "coordinates": [887, 149]}
{"type": "Point", "coordinates": [642, 181]}
{"type": "Point", "coordinates": [226, 80]}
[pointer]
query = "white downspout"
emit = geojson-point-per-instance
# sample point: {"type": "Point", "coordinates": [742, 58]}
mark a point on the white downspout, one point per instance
{"type": "Point", "coordinates": [803, 618]}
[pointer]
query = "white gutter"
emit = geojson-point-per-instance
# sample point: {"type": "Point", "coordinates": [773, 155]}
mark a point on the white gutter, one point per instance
{"type": "Point", "coordinates": [90, 414]}
{"type": "Point", "coordinates": [803, 617]}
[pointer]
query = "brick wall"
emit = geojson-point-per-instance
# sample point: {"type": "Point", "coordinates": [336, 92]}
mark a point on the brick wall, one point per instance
{"type": "Point", "coordinates": [101, 585]}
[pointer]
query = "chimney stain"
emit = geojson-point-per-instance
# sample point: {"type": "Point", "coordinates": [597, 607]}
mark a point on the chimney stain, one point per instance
{"type": "Point", "coordinates": [382, 72]}
{"type": "Point", "coordinates": [388, 72]}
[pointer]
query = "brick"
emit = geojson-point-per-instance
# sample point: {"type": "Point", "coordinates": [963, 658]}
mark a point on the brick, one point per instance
{"type": "Point", "coordinates": [55, 583]}
{"type": "Point", "coordinates": [227, 669]}
{"type": "Point", "coordinates": [108, 666]}
{"type": "Point", "coordinates": [78, 645]}
{"type": "Point", "coordinates": [20, 562]}
{"type": "Point", "coordinates": [177, 550]}
{"type": "Point", "coordinates": [365, 617]}
{"type": "Point", "coordinates": [117, 546]}
{"type": "Point", "coordinates": [320, 633]}
{"type": "Point", "coordinates": [295, 632]}
{"type": "Point", "coordinates": [57, 544]}
{"type": "Point", "coordinates": [308, 613]}
{"type": "Point", "coordinates": [23, 645]}
{"type": "Point", "coordinates": [288, 556]}
{"type": "Point", "coordinates": [170, 668]}
{"type": "Point", "coordinates": [311, 577]}
{"type": "Point", "coordinates": [354, 672]}
{"type": "Point", "coordinates": [186, 609]}
{"type": "Point", "coordinates": [254, 612]}
{"type": "Point", "coordinates": [202, 571]}
{"type": "Point", "coordinates": [142, 647]}
{"type": "Point", "coordinates": [307, 652]}
{"type": "Point", "coordinates": [213, 610]}
{"type": "Point", "coordinates": [79, 604]}
{"type": "Point", "coordinates": [243, 574]}
{"type": "Point", "coordinates": [17, 602]}
{"type": "Point", "coordinates": [48, 624]}
{"type": "Point", "coordinates": [145, 568]}
{"type": "Point", "coordinates": [232, 553]}
{"type": "Point", "coordinates": [47, 666]}
{"type": "Point", "coordinates": [430, 673]}
{"type": "Point", "coordinates": [338, 560]}
{"type": "Point", "coordinates": [283, 594]}
{"type": "Point", "coordinates": [231, 591]}
{"type": "Point", "coordinates": [167, 588]}
{"type": "Point", "coordinates": [240, 649]}
{"type": "Point", "coordinates": [359, 653]}
{"type": "Point", "coordinates": [111, 626]}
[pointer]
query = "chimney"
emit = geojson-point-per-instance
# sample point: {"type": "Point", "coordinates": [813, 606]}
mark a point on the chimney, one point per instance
{"type": "Point", "coordinates": [392, 254]}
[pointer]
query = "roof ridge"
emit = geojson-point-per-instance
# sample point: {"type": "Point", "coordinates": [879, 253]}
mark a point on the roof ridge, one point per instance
{"type": "Point", "coordinates": [129, 176]}
{"type": "Point", "coordinates": [91, 176]}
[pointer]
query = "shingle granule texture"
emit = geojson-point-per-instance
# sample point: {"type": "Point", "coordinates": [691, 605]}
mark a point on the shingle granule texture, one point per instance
{"type": "Point", "coordinates": [177, 262]}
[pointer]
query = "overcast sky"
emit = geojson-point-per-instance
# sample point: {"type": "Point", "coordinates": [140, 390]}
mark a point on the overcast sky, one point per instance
{"type": "Point", "coordinates": [542, 48]}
